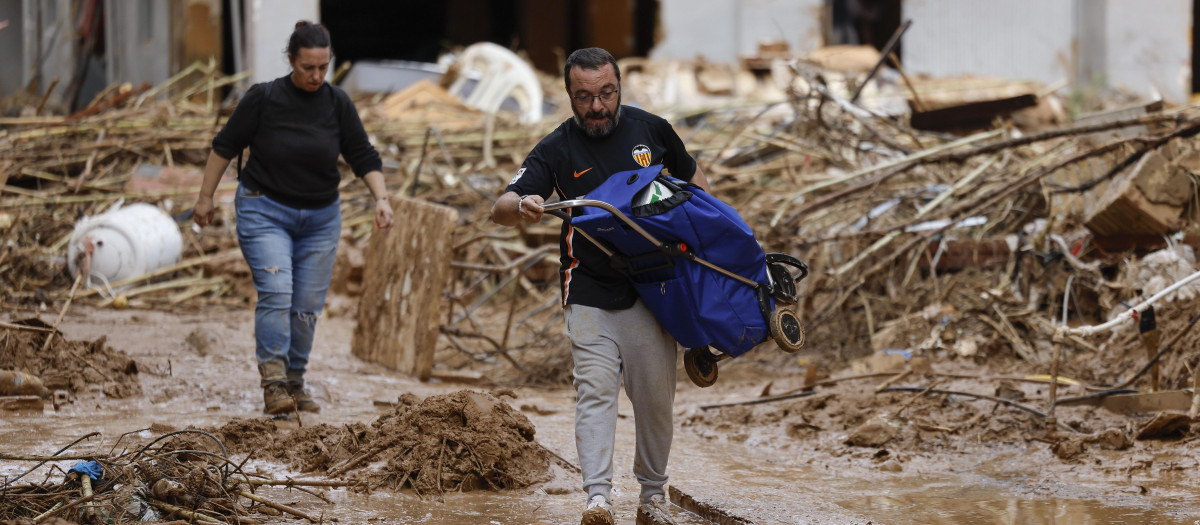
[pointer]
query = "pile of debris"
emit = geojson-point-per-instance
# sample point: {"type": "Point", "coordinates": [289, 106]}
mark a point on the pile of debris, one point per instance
{"type": "Point", "coordinates": [135, 145]}
{"type": "Point", "coordinates": [46, 366]}
{"type": "Point", "coordinates": [157, 481]}
{"type": "Point", "coordinates": [457, 442]}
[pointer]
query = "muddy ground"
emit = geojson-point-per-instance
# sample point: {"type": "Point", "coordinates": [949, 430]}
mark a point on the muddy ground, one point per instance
{"type": "Point", "coordinates": [838, 453]}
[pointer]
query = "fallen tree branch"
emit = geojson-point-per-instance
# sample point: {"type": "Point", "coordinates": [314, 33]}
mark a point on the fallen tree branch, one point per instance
{"type": "Point", "coordinates": [760, 400]}
{"type": "Point", "coordinates": [58, 510]}
{"type": "Point", "coordinates": [958, 156]}
{"type": "Point", "coordinates": [980, 396]}
{"type": "Point", "coordinates": [281, 507]}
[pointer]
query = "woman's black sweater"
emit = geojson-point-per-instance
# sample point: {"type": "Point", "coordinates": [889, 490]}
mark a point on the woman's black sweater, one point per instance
{"type": "Point", "coordinates": [295, 137]}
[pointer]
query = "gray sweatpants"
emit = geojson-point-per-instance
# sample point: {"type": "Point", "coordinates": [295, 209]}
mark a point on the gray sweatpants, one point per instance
{"type": "Point", "coordinates": [608, 346]}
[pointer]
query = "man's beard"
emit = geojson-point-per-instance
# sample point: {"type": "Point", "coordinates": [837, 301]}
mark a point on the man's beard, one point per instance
{"type": "Point", "coordinates": [603, 131]}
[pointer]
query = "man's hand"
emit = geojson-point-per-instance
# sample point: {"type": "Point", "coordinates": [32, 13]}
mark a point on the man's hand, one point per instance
{"type": "Point", "coordinates": [512, 209]}
{"type": "Point", "coordinates": [529, 208]}
{"type": "Point", "coordinates": [202, 212]}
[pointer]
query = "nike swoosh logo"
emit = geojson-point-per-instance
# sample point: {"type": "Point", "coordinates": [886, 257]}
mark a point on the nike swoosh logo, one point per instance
{"type": "Point", "coordinates": [578, 173]}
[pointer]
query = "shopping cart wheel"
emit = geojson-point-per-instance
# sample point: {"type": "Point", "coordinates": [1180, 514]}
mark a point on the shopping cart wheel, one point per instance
{"type": "Point", "coordinates": [701, 366]}
{"type": "Point", "coordinates": [786, 330]}
{"type": "Point", "coordinates": [783, 287]}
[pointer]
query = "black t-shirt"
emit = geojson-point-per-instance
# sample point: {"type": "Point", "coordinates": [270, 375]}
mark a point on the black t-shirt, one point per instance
{"type": "Point", "coordinates": [571, 164]}
{"type": "Point", "coordinates": [295, 137]}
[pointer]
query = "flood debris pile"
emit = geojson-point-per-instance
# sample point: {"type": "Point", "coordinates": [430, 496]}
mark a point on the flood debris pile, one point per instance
{"type": "Point", "coordinates": [149, 144]}
{"type": "Point", "coordinates": [950, 425]}
{"type": "Point", "coordinates": [456, 442]}
{"type": "Point", "coordinates": [67, 366]}
{"type": "Point", "coordinates": [898, 411]}
{"type": "Point", "coordinates": [958, 242]}
{"type": "Point", "coordinates": [179, 475]}
{"type": "Point", "coordinates": [960, 271]}
{"type": "Point", "coordinates": [974, 225]}
{"type": "Point", "coordinates": [58, 169]}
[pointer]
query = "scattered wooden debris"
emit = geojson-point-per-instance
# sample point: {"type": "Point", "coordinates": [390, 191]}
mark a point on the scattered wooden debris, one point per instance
{"type": "Point", "coordinates": [999, 224]}
{"type": "Point", "coordinates": [155, 482]}
{"type": "Point", "coordinates": [1165, 424]}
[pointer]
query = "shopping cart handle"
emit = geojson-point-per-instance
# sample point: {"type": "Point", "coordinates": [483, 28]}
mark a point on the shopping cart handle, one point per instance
{"type": "Point", "coordinates": [575, 203]}
{"type": "Point", "coordinates": [557, 208]}
{"type": "Point", "coordinates": [554, 207]}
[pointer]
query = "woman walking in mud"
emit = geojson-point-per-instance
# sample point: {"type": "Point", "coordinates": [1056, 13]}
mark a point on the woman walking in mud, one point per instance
{"type": "Point", "coordinates": [287, 204]}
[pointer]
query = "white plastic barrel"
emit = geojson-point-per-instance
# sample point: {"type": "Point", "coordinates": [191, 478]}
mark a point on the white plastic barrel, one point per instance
{"type": "Point", "coordinates": [125, 242]}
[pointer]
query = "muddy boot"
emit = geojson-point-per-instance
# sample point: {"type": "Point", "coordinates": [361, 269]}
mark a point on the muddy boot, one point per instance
{"type": "Point", "coordinates": [304, 401]}
{"type": "Point", "coordinates": [276, 399]}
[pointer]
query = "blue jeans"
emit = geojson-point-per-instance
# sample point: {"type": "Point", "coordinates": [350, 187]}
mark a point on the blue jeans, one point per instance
{"type": "Point", "coordinates": [290, 252]}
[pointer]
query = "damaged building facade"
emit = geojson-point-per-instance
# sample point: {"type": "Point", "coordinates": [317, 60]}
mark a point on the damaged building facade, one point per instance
{"type": "Point", "coordinates": [1143, 47]}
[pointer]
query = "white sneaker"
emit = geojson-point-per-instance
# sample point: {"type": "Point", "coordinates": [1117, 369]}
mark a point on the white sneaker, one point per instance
{"type": "Point", "coordinates": [654, 510]}
{"type": "Point", "coordinates": [599, 512]}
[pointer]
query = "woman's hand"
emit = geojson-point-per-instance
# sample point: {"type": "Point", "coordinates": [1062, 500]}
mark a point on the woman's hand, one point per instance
{"type": "Point", "coordinates": [202, 213]}
{"type": "Point", "coordinates": [383, 213]}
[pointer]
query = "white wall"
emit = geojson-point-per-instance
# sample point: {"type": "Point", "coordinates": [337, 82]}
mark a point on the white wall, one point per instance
{"type": "Point", "coordinates": [1149, 47]}
{"type": "Point", "coordinates": [1140, 45]}
{"type": "Point", "coordinates": [269, 24]}
{"type": "Point", "coordinates": [138, 41]}
{"type": "Point", "coordinates": [36, 52]}
{"type": "Point", "coordinates": [12, 41]}
{"type": "Point", "coordinates": [1017, 39]}
{"type": "Point", "coordinates": [724, 30]}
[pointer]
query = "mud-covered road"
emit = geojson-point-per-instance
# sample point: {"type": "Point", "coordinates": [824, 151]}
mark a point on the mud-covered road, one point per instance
{"type": "Point", "coordinates": [810, 459]}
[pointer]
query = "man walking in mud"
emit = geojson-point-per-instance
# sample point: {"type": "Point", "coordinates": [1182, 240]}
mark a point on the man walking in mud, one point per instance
{"type": "Point", "coordinates": [614, 337]}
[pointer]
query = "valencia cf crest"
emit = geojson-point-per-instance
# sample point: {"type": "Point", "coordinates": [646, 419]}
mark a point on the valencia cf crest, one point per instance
{"type": "Point", "coordinates": [641, 155]}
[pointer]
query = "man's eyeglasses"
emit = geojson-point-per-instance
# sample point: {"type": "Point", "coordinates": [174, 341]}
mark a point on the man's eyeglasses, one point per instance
{"type": "Point", "coordinates": [586, 100]}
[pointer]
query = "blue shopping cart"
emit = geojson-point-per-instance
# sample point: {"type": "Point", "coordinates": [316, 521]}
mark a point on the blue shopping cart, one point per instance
{"type": "Point", "coordinates": [695, 263]}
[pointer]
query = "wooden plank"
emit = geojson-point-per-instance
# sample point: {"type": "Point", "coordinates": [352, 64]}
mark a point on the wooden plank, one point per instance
{"type": "Point", "coordinates": [21, 404]}
{"type": "Point", "coordinates": [970, 115]}
{"type": "Point", "coordinates": [405, 270]}
{"type": "Point", "coordinates": [708, 512]}
{"type": "Point", "coordinates": [1148, 402]}
{"type": "Point", "coordinates": [4, 166]}
{"type": "Point", "coordinates": [1114, 115]}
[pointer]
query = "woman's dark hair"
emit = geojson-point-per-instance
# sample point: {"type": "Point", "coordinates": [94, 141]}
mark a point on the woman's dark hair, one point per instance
{"type": "Point", "coordinates": [591, 58]}
{"type": "Point", "coordinates": [307, 34]}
